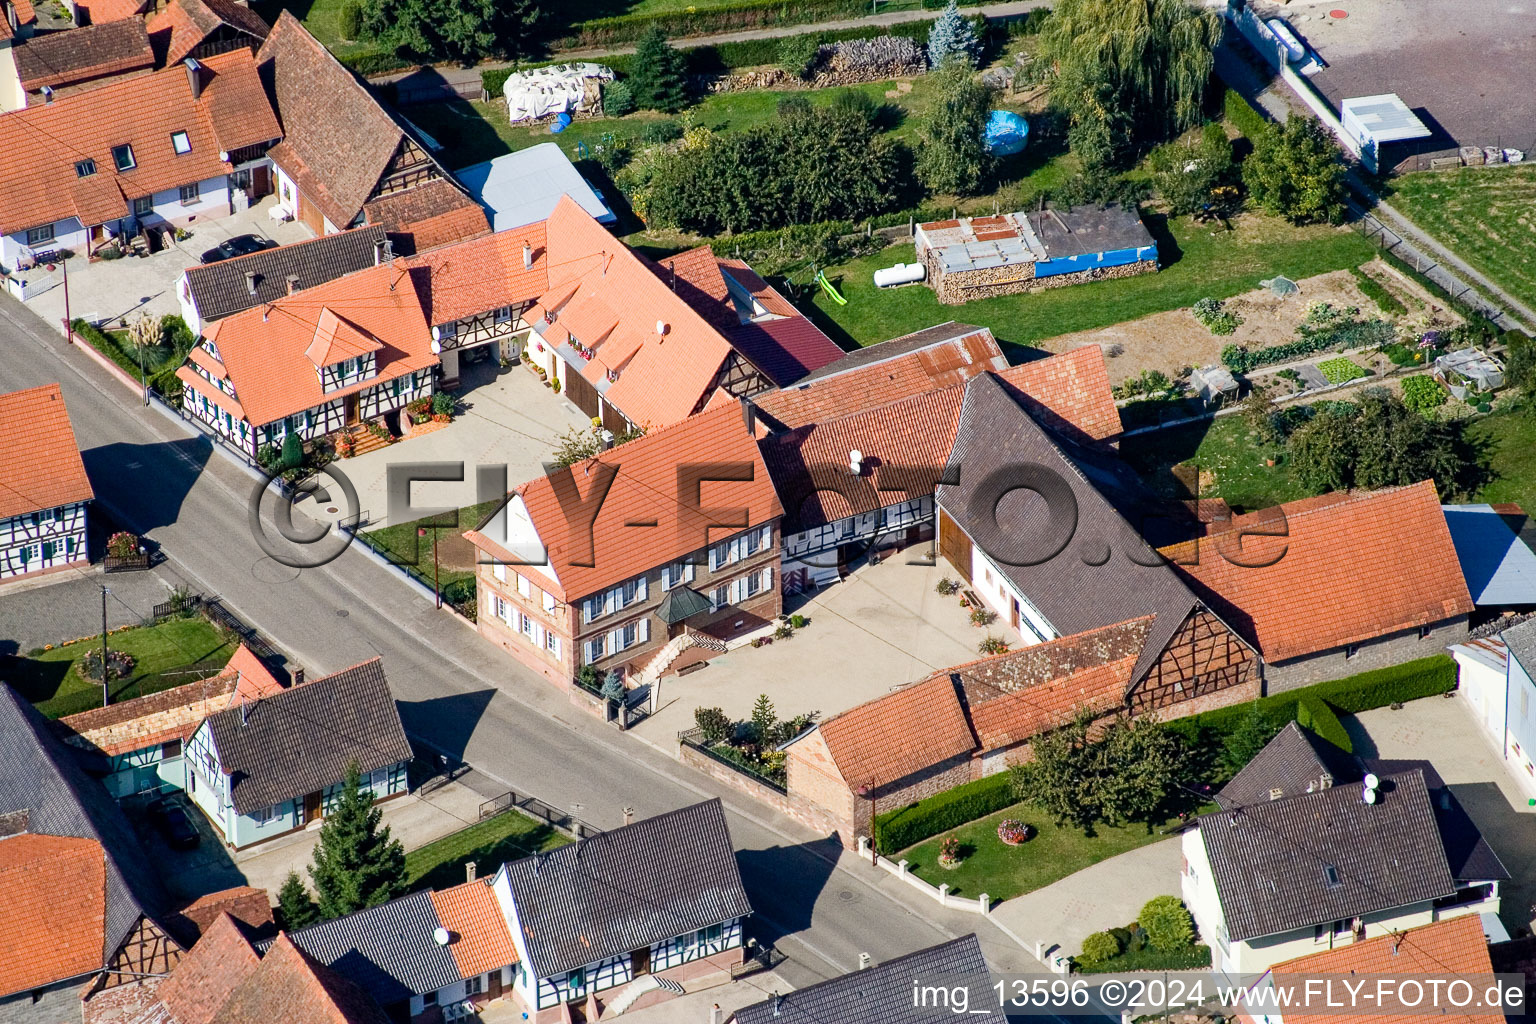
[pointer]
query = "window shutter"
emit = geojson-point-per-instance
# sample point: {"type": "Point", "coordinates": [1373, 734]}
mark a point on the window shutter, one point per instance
{"type": "Point", "coordinates": [766, 537]}
{"type": "Point", "coordinates": [616, 640]}
{"type": "Point", "coordinates": [666, 577]}
{"type": "Point", "coordinates": [738, 587]}
{"type": "Point", "coordinates": [714, 558]}
{"type": "Point", "coordinates": [645, 629]}
{"type": "Point", "coordinates": [499, 570]}
{"type": "Point", "coordinates": [587, 610]}
{"type": "Point", "coordinates": [641, 590]}
{"type": "Point", "coordinates": [556, 649]}
{"type": "Point", "coordinates": [589, 651]}
{"type": "Point", "coordinates": [736, 549]}
{"type": "Point", "coordinates": [688, 571]}
{"type": "Point", "coordinates": [768, 578]}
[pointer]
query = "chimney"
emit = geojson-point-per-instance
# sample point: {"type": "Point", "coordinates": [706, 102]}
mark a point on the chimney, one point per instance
{"type": "Point", "coordinates": [629, 815]}
{"type": "Point", "coordinates": [865, 961]}
{"type": "Point", "coordinates": [293, 283]}
{"type": "Point", "coordinates": [607, 438]}
{"type": "Point", "coordinates": [378, 252]}
{"type": "Point", "coordinates": [298, 677]}
{"type": "Point", "coordinates": [250, 282]}
{"type": "Point", "coordinates": [469, 871]}
{"type": "Point", "coordinates": [47, 92]}
{"type": "Point", "coordinates": [672, 266]}
{"type": "Point", "coordinates": [194, 77]}
{"type": "Point", "coordinates": [527, 256]}
{"type": "Point", "coordinates": [749, 415]}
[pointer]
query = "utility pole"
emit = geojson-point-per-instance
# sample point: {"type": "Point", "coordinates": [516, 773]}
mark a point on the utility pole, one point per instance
{"type": "Point", "coordinates": [106, 695]}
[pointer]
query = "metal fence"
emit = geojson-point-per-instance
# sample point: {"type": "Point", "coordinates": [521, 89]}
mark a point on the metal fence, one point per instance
{"type": "Point", "coordinates": [694, 740]}
{"type": "Point", "coordinates": [537, 809]}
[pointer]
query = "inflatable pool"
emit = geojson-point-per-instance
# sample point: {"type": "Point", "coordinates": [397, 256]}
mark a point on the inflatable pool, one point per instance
{"type": "Point", "coordinates": [1006, 133]}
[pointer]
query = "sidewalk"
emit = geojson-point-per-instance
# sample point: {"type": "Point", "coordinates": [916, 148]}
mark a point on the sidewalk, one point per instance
{"type": "Point", "coordinates": [454, 75]}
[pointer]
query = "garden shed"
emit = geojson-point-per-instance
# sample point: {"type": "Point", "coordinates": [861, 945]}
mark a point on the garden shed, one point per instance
{"type": "Point", "coordinates": [1215, 385]}
{"type": "Point", "coordinates": [981, 257]}
{"type": "Point", "coordinates": [1469, 371]}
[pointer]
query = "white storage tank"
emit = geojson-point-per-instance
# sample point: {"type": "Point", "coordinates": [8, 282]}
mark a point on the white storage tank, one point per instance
{"type": "Point", "coordinates": [901, 273]}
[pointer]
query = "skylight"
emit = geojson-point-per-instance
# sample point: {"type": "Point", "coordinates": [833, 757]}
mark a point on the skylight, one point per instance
{"type": "Point", "coordinates": [180, 142]}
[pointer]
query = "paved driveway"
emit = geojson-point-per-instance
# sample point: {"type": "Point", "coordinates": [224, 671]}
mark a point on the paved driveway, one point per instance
{"type": "Point", "coordinates": [880, 628]}
{"type": "Point", "coordinates": [66, 605]}
{"type": "Point", "coordinates": [508, 419]}
{"type": "Point", "coordinates": [114, 289]}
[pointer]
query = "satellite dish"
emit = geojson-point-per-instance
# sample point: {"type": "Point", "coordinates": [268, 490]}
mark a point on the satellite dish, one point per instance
{"type": "Point", "coordinates": [437, 347]}
{"type": "Point", "coordinates": [440, 935]}
{"type": "Point", "coordinates": [1372, 782]}
{"type": "Point", "coordinates": [1369, 795]}
{"type": "Point", "coordinates": [437, 333]}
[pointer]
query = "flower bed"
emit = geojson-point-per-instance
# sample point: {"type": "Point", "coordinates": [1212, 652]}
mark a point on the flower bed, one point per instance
{"type": "Point", "coordinates": [1014, 832]}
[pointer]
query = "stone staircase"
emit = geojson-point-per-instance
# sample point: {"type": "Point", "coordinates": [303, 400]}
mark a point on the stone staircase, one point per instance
{"type": "Point", "coordinates": [637, 988]}
{"type": "Point", "coordinates": [657, 666]}
{"type": "Point", "coordinates": [363, 440]}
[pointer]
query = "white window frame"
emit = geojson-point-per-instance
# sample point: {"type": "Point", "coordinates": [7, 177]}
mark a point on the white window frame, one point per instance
{"type": "Point", "coordinates": [522, 585]}
{"type": "Point", "coordinates": [595, 649]}
{"type": "Point", "coordinates": [181, 142]}
{"type": "Point", "coordinates": [549, 601]}
{"type": "Point", "coordinates": [144, 206]}
{"type": "Point", "coordinates": [676, 574]}
{"type": "Point", "coordinates": [189, 194]}
{"type": "Point", "coordinates": [37, 236]}
{"type": "Point", "coordinates": [552, 643]}
{"type": "Point", "coordinates": [264, 815]}
{"type": "Point", "coordinates": [525, 625]}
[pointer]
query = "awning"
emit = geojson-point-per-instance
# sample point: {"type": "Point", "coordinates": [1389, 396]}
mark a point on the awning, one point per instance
{"type": "Point", "coordinates": [680, 604]}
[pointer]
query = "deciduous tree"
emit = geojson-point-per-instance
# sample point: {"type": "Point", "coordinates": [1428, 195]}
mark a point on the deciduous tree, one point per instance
{"type": "Point", "coordinates": [462, 30]}
{"type": "Point", "coordinates": [952, 156]}
{"type": "Point", "coordinates": [1296, 171]}
{"type": "Point", "coordinates": [1187, 174]}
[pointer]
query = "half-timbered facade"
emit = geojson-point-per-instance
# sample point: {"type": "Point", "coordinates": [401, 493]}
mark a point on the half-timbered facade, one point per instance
{"type": "Point", "coordinates": [44, 490]}
{"type": "Point", "coordinates": [311, 364]}
{"type": "Point", "coordinates": [202, 29]}
{"type": "Point", "coordinates": [558, 596]}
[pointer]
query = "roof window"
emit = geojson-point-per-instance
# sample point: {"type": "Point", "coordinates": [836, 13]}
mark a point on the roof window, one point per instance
{"type": "Point", "coordinates": [85, 168]}
{"type": "Point", "coordinates": [180, 142]}
{"type": "Point", "coordinates": [1331, 876]}
{"type": "Point", "coordinates": [122, 156]}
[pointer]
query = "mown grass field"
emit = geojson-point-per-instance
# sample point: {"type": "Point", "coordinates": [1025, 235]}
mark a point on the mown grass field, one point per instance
{"type": "Point", "coordinates": [1198, 260]}
{"type": "Point", "coordinates": [1487, 216]}
{"type": "Point", "coordinates": [166, 655]}
{"type": "Point", "coordinates": [510, 835]}
{"type": "Point", "coordinates": [1229, 457]}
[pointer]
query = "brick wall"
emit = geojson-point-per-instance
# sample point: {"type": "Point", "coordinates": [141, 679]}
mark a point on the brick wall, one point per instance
{"type": "Point", "coordinates": [808, 813]}
{"type": "Point", "coordinates": [1380, 653]}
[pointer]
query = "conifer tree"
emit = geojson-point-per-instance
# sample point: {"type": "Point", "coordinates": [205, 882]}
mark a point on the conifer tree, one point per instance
{"type": "Point", "coordinates": [295, 908]}
{"type": "Point", "coordinates": [952, 37]}
{"type": "Point", "coordinates": [659, 80]}
{"type": "Point", "coordinates": [356, 864]}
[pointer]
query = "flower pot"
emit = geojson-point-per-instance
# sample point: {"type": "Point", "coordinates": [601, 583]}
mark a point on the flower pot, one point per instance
{"type": "Point", "coordinates": [949, 863]}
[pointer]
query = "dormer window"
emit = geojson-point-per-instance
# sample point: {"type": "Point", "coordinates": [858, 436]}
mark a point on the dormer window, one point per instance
{"type": "Point", "coordinates": [85, 168]}
{"type": "Point", "coordinates": [122, 157]}
{"type": "Point", "coordinates": [181, 143]}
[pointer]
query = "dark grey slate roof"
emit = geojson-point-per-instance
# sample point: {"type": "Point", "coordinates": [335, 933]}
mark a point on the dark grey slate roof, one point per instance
{"type": "Point", "coordinates": [883, 993]}
{"type": "Point", "coordinates": [221, 289]}
{"type": "Point", "coordinates": [680, 603]}
{"type": "Point", "coordinates": [41, 778]}
{"type": "Point", "coordinates": [1269, 860]}
{"type": "Point", "coordinates": [869, 355]}
{"type": "Point", "coordinates": [998, 439]}
{"type": "Point", "coordinates": [303, 739]}
{"type": "Point", "coordinates": [621, 891]}
{"type": "Point", "coordinates": [1294, 762]}
{"type": "Point", "coordinates": [1467, 853]}
{"type": "Point", "coordinates": [387, 951]}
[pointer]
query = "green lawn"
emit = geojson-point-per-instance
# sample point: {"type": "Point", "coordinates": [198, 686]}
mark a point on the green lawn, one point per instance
{"type": "Point", "coordinates": [1198, 260]}
{"type": "Point", "coordinates": [1487, 216]}
{"type": "Point", "coordinates": [321, 17]}
{"type": "Point", "coordinates": [1510, 435]}
{"type": "Point", "coordinates": [1002, 871]}
{"type": "Point", "coordinates": [1226, 452]}
{"type": "Point", "coordinates": [170, 654]}
{"type": "Point", "coordinates": [401, 545]}
{"type": "Point", "coordinates": [508, 836]}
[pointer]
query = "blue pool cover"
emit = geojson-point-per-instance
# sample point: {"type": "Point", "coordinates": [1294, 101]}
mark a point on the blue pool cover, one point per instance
{"type": "Point", "coordinates": [1006, 133]}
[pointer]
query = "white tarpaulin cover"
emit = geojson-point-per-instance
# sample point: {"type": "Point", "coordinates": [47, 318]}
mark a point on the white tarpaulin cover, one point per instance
{"type": "Point", "coordinates": [552, 90]}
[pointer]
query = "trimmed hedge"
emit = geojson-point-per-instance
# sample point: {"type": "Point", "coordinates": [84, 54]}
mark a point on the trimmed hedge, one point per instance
{"type": "Point", "coordinates": [897, 830]}
{"type": "Point", "coordinates": [1314, 715]}
{"type": "Point", "coordinates": [374, 62]}
{"type": "Point", "coordinates": [107, 345]}
{"type": "Point", "coordinates": [1243, 116]}
{"type": "Point", "coordinates": [744, 14]}
{"type": "Point", "coordinates": [1191, 959]}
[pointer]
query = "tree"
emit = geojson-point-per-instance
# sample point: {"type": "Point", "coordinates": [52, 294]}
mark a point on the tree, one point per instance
{"type": "Point", "coordinates": [714, 723]}
{"type": "Point", "coordinates": [617, 99]}
{"type": "Point", "coordinates": [1060, 779]}
{"type": "Point", "coordinates": [356, 864]}
{"type": "Point", "coordinates": [1141, 764]}
{"type": "Point", "coordinates": [1187, 174]}
{"type": "Point", "coordinates": [295, 908]}
{"type": "Point", "coordinates": [293, 451]}
{"type": "Point", "coordinates": [1295, 171]}
{"type": "Point", "coordinates": [659, 80]}
{"type": "Point", "coordinates": [952, 38]}
{"type": "Point", "coordinates": [1168, 924]}
{"type": "Point", "coordinates": [952, 155]}
{"type": "Point", "coordinates": [797, 53]}
{"type": "Point", "coordinates": [462, 30]}
{"type": "Point", "coordinates": [764, 720]}
{"type": "Point", "coordinates": [1149, 61]}
{"type": "Point", "coordinates": [613, 687]}
{"type": "Point", "coordinates": [1243, 743]}
{"type": "Point", "coordinates": [1380, 442]}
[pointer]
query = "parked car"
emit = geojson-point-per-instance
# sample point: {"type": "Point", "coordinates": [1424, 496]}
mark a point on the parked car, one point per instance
{"type": "Point", "coordinates": [171, 818]}
{"type": "Point", "coordinates": [240, 245]}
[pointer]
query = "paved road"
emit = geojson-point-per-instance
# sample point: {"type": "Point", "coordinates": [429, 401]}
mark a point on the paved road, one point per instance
{"type": "Point", "coordinates": [456, 691]}
{"type": "Point", "coordinates": [457, 75]}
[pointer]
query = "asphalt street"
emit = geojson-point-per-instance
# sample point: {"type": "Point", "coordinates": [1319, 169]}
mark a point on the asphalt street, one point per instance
{"type": "Point", "coordinates": [458, 693]}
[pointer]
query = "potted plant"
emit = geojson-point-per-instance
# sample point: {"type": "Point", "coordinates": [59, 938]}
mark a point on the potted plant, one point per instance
{"type": "Point", "coordinates": [345, 446]}
{"type": "Point", "coordinates": [1014, 832]}
{"type": "Point", "coordinates": [949, 853]}
{"type": "Point", "coordinates": [123, 545]}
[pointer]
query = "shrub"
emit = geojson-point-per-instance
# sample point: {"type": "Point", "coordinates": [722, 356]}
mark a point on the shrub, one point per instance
{"type": "Point", "coordinates": [983, 616]}
{"type": "Point", "coordinates": [1423, 393]}
{"type": "Point", "coordinates": [1242, 115]}
{"type": "Point", "coordinates": [798, 621]}
{"type": "Point", "coordinates": [292, 452]}
{"type": "Point", "coordinates": [618, 100]}
{"type": "Point", "coordinates": [1169, 925]}
{"type": "Point", "coordinates": [351, 20]}
{"type": "Point", "coordinates": [123, 544]}
{"type": "Point", "coordinates": [459, 593]}
{"type": "Point", "coordinates": [1341, 370]}
{"type": "Point", "coordinates": [947, 587]}
{"type": "Point", "coordinates": [1099, 947]}
{"type": "Point", "coordinates": [442, 404]}
{"type": "Point", "coordinates": [992, 645]}
{"type": "Point", "coordinates": [714, 723]}
{"type": "Point", "coordinates": [119, 664]}
{"type": "Point", "coordinates": [660, 132]}
{"type": "Point", "coordinates": [899, 829]}
{"type": "Point", "coordinates": [784, 631]}
{"type": "Point", "coordinates": [797, 52]}
{"type": "Point", "coordinates": [1314, 715]}
{"type": "Point", "coordinates": [1214, 318]}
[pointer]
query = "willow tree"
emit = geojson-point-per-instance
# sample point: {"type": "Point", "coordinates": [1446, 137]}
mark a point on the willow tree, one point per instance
{"type": "Point", "coordinates": [1140, 66]}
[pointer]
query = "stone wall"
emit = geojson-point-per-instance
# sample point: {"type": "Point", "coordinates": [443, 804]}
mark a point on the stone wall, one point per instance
{"type": "Point", "coordinates": [1379, 653]}
{"type": "Point", "coordinates": [958, 287]}
{"type": "Point", "coordinates": [804, 811]}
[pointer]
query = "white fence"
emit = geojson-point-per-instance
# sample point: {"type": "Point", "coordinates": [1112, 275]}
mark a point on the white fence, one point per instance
{"type": "Point", "coordinates": [977, 905]}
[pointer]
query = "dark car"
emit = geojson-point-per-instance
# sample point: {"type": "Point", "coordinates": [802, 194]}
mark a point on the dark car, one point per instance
{"type": "Point", "coordinates": [240, 245]}
{"type": "Point", "coordinates": [170, 817]}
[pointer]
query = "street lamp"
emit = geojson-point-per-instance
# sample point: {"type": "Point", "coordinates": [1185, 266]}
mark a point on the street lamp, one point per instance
{"type": "Point", "coordinates": [867, 792]}
{"type": "Point", "coordinates": [437, 591]}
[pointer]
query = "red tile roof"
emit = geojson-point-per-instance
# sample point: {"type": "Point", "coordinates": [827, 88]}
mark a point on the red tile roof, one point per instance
{"type": "Point", "coordinates": [476, 276]}
{"type": "Point", "coordinates": [182, 26]}
{"type": "Point", "coordinates": [44, 142]}
{"type": "Point", "coordinates": [645, 491]}
{"type": "Point", "coordinates": [696, 276]}
{"type": "Point", "coordinates": [40, 465]}
{"type": "Point", "coordinates": [481, 940]}
{"type": "Point", "coordinates": [894, 736]}
{"type": "Point", "coordinates": [221, 960]}
{"type": "Point", "coordinates": [263, 349]}
{"type": "Point", "coordinates": [99, 12]}
{"type": "Point", "coordinates": [1069, 393]}
{"type": "Point", "coordinates": [871, 381]}
{"type": "Point", "coordinates": [336, 339]}
{"type": "Point", "coordinates": [1349, 567]}
{"type": "Point", "coordinates": [766, 295]}
{"type": "Point", "coordinates": [58, 59]}
{"type": "Point", "coordinates": [429, 215]}
{"type": "Point", "coordinates": [1452, 948]}
{"type": "Point", "coordinates": [53, 890]}
{"type": "Point", "coordinates": [250, 906]}
{"type": "Point", "coordinates": [661, 378]}
{"type": "Point", "coordinates": [905, 445]}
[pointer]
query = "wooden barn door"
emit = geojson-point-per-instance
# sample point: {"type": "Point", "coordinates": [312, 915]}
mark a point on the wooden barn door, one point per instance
{"type": "Point", "coordinates": [954, 545]}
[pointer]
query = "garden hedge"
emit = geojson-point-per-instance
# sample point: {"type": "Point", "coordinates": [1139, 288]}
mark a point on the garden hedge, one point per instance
{"type": "Point", "coordinates": [897, 830]}
{"type": "Point", "coordinates": [743, 14]}
{"type": "Point", "coordinates": [1314, 715]}
{"type": "Point", "coordinates": [1243, 116]}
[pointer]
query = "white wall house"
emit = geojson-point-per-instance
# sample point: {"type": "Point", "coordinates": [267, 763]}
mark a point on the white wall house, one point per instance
{"type": "Point", "coordinates": [35, 541]}
{"type": "Point", "coordinates": [1497, 677]}
{"type": "Point", "coordinates": [44, 490]}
